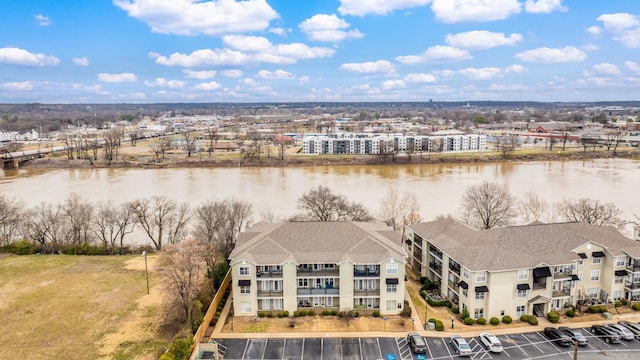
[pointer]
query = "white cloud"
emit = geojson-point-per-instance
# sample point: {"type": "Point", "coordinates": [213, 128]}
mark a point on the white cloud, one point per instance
{"type": "Point", "coordinates": [278, 31]}
{"type": "Point", "coordinates": [480, 74]}
{"type": "Point", "coordinates": [377, 7]}
{"type": "Point", "coordinates": [117, 78]}
{"type": "Point", "coordinates": [590, 47]}
{"type": "Point", "coordinates": [323, 27]}
{"type": "Point", "coordinates": [275, 75]}
{"type": "Point", "coordinates": [480, 39]}
{"type": "Point", "coordinates": [447, 74]}
{"type": "Point", "coordinates": [436, 54]}
{"type": "Point", "coordinates": [633, 66]}
{"type": "Point", "coordinates": [367, 89]}
{"type": "Point", "coordinates": [83, 61]}
{"type": "Point", "coordinates": [161, 82]}
{"type": "Point", "coordinates": [210, 86]}
{"type": "Point", "coordinates": [209, 17]}
{"type": "Point", "coordinates": [393, 84]}
{"type": "Point", "coordinates": [516, 68]}
{"type": "Point", "coordinates": [200, 75]}
{"type": "Point", "coordinates": [204, 57]}
{"type": "Point", "coordinates": [43, 20]}
{"type": "Point", "coordinates": [371, 67]}
{"type": "Point", "coordinates": [420, 77]}
{"type": "Point", "coordinates": [234, 73]}
{"type": "Point", "coordinates": [594, 30]}
{"type": "Point", "coordinates": [304, 79]}
{"type": "Point", "coordinates": [606, 69]}
{"type": "Point", "coordinates": [17, 86]}
{"type": "Point", "coordinates": [17, 56]}
{"type": "Point", "coordinates": [455, 11]}
{"type": "Point", "coordinates": [618, 22]}
{"type": "Point", "coordinates": [547, 55]}
{"type": "Point", "coordinates": [544, 6]}
{"type": "Point", "coordinates": [263, 47]}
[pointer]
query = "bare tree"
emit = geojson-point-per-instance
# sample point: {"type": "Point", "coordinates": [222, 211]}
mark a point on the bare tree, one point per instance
{"type": "Point", "coordinates": [532, 207]}
{"type": "Point", "coordinates": [111, 224]}
{"type": "Point", "coordinates": [398, 211]}
{"type": "Point", "coordinates": [161, 219]}
{"type": "Point", "coordinates": [565, 133]}
{"type": "Point", "coordinates": [133, 137]}
{"type": "Point", "coordinates": [590, 211]}
{"type": "Point", "coordinates": [212, 134]}
{"type": "Point", "coordinates": [161, 145]}
{"type": "Point", "coordinates": [488, 205]}
{"type": "Point", "coordinates": [507, 143]}
{"type": "Point", "coordinates": [78, 213]}
{"type": "Point", "coordinates": [189, 142]}
{"type": "Point", "coordinates": [111, 139]}
{"type": "Point", "coordinates": [10, 217]}
{"type": "Point", "coordinates": [182, 269]}
{"type": "Point", "coordinates": [44, 224]}
{"type": "Point", "coordinates": [321, 204]}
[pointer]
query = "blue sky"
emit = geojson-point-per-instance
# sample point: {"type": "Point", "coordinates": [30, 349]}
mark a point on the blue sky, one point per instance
{"type": "Point", "coordinates": [147, 51]}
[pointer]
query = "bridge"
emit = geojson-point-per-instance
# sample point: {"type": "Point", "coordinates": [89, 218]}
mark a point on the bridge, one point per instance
{"type": "Point", "coordinates": [13, 160]}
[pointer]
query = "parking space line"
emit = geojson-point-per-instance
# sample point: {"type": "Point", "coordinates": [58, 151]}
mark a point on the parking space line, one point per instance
{"type": "Point", "coordinates": [592, 335]}
{"type": "Point", "coordinates": [379, 348]}
{"type": "Point", "coordinates": [321, 346]}
{"type": "Point", "coordinates": [360, 345]}
{"type": "Point", "coordinates": [552, 343]}
{"type": "Point", "coordinates": [532, 343]}
{"type": "Point", "coordinates": [284, 346]}
{"type": "Point", "coordinates": [446, 346]}
{"type": "Point", "coordinates": [430, 354]}
{"type": "Point", "coordinates": [245, 348]}
{"type": "Point", "coordinates": [516, 344]}
{"type": "Point", "coordinates": [302, 351]}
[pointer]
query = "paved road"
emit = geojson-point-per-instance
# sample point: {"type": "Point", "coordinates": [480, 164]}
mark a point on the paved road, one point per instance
{"type": "Point", "coordinates": [530, 345]}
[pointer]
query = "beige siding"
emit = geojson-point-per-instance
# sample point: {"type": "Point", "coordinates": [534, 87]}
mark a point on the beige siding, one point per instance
{"type": "Point", "coordinates": [346, 286]}
{"type": "Point", "coordinates": [289, 287]}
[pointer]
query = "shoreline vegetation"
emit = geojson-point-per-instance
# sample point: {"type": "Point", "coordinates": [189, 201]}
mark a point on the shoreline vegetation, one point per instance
{"type": "Point", "coordinates": [138, 157]}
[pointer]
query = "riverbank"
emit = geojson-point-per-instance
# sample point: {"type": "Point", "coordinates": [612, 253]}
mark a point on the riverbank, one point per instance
{"type": "Point", "coordinates": [138, 159]}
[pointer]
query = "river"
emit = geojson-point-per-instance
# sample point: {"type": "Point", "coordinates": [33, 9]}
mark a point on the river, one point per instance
{"type": "Point", "coordinates": [439, 187]}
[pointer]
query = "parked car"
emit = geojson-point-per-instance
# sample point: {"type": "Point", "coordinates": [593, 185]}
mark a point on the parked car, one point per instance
{"type": "Point", "coordinates": [605, 333]}
{"type": "Point", "coordinates": [556, 336]}
{"type": "Point", "coordinates": [460, 345]}
{"type": "Point", "coordinates": [633, 327]}
{"type": "Point", "coordinates": [574, 334]}
{"type": "Point", "coordinates": [624, 333]}
{"type": "Point", "coordinates": [490, 342]}
{"type": "Point", "coordinates": [417, 343]}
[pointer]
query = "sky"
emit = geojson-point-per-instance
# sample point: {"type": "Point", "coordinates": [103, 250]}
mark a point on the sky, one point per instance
{"type": "Point", "coordinates": [171, 51]}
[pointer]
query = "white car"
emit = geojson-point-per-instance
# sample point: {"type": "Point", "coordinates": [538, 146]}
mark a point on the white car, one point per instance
{"type": "Point", "coordinates": [624, 333]}
{"type": "Point", "coordinates": [491, 342]}
{"type": "Point", "coordinates": [460, 345]}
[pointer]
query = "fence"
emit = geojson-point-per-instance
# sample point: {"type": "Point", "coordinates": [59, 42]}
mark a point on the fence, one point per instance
{"type": "Point", "coordinates": [217, 299]}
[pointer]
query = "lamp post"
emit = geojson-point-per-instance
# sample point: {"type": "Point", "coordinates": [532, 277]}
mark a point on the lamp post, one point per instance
{"type": "Point", "coordinates": [146, 271]}
{"type": "Point", "coordinates": [426, 307]}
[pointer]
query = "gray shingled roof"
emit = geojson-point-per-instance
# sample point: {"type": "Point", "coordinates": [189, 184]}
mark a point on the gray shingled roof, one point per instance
{"type": "Point", "coordinates": [318, 242]}
{"type": "Point", "coordinates": [520, 246]}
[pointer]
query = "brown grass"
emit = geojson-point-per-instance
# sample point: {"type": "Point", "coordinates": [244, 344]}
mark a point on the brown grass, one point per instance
{"type": "Point", "coordinates": [78, 307]}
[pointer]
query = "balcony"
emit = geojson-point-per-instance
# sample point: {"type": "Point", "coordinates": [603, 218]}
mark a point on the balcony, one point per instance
{"type": "Point", "coordinates": [453, 286]}
{"type": "Point", "coordinates": [269, 293]}
{"type": "Point", "coordinates": [366, 292]}
{"type": "Point", "coordinates": [319, 291]}
{"type": "Point", "coordinates": [269, 274]}
{"type": "Point", "coordinates": [437, 268]}
{"type": "Point", "coordinates": [632, 285]}
{"type": "Point", "coordinates": [563, 274]}
{"type": "Point", "coordinates": [435, 252]}
{"type": "Point", "coordinates": [563, 292]}
{"type": "Point", "coordinates": [308, 272]}
{"type": "Point", "coordinates": [540, 286]}
{"type": "Point", "coordinates": [633, 267]}
{"type": "Point", "coordinates": [455, 268]}
{"type": "Point", "coordinates": [373, 271]}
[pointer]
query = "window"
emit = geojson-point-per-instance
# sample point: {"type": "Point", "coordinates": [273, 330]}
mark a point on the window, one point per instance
{"type": "Point", "coordinates": [519, 310]}
{"type": "Point", "coordinates": [465, 273]}
{"type": "Point", "coordinates": [391, 305]}
{"type": "Point", "coordinates": [479, 296]}
{"type": "Point", "coordinates": [617, 295]}
{"type": "Point", "coordinates": [392, 269]}
{"type": "Point", "coordinates": [244, 270]}
{"type": "Point", "coordinates": [619, 279]}
{"type": "Point", "coordinates": [580, 262]}
{"type": "Point", "coordinates": [620, 261]}
{"type": "Point", "coordinates": [481, 276]}
{"type": "Point", "coordinates": [266, 304]}
{"type": "Point", "coordinates": [580, 276]}
{"type": "Point", "coordinates": [245, 289]}
{"type": "Point", "coordinates": [478, 313]}
{"type": "Point", "coordinates": [328, 301]}
{"type": "Point", "coordinates": [392, 288]}
{"type": "Point", "coordinates": [595, 260]}
{"type": "Point", "coordinates": [303, 283]}
{"type": "Point", "coordinates": [595, 275]}
{"type": "Point", "coordinates": [465, 292]}
{"type": "Point", "coordinates": [522, 294]}
{"type": "Point", "coordinates": [245, 307]}
{"type": "Point", "coordinates": [523, 274]}
{"type": "Point", "coordinates": [593, 292]}
{"type": "Point", "coordinates": [277, 304]}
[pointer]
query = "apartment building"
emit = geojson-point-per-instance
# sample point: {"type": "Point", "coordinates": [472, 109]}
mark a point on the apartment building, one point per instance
{"type": "Point", "coordinates": [318, 265]}
{"type": "Point", "coordinates": [529, 269]}
{"type": "Point", "coordinates": [387, 143]}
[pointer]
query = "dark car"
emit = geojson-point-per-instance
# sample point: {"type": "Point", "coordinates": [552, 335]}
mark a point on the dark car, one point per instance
{"type": "Point", "coordinates": [605, 334]}
{"type": "Point", "coordinates": [556, 336]}
{"type": "Point", "coordinates": [633, 327]}
{"type": "Point", "coordinates": [574, 334]}
{"type": "Point", "coordinates": [417, 343]}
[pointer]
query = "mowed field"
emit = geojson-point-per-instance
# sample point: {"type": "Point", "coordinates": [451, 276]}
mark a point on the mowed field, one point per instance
{"type": "Point", "coordinates": [79, 307]}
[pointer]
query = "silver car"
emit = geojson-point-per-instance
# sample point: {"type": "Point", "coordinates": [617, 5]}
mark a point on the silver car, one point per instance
{"type": "Point", "coordinates": [624, 333]}
{"type": "Point", "coordinates": [460, 345]}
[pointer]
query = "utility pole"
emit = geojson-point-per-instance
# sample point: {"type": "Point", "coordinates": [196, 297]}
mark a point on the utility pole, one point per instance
{"type": "Point", "coordinates": [146, 271]}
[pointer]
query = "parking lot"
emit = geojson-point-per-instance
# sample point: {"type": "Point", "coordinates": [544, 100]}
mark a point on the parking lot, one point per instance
{"type": "Point", "coordinates": [532, 345]}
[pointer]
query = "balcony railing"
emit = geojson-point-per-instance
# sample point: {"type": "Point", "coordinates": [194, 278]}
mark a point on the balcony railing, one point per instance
{"type": "Point", "coordinates": [539, 286]}
{"type": "Point", "coordinates": [633, 267]}
{"type": "Point", "coordinates": [435, 252]}
{"type": "Point", "coordinates": [320, 272]}
{"type": "Point", "coordinates": [455, 268]}
{"type": "Point", "coordinates": [454, 286]}
{"type": "Point", "coordinates": [319, 291]}
{"type": "Point", "coordinates": [366, 292]}
{"type": "Point", "coordinates": [368, 272]}
{"type": "Point", "coordinates": [564, 273]}
{"type": "Point", "coordinates": [268, 293]}
{"type": "Point", "coordinates": [436, 267]}
{"type": "Point", "coordinates": [563, 292]}
{"type": "Point", "coordinates": [270, 273]}
{"type": "Point", "coordinates": [632, 285]}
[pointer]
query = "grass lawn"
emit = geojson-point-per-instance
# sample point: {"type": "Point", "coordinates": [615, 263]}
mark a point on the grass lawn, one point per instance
{"type": "Point", "coordinates": [78, 307]}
